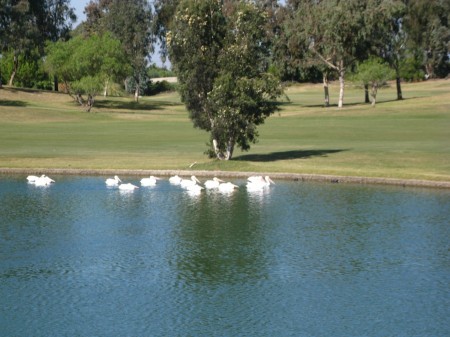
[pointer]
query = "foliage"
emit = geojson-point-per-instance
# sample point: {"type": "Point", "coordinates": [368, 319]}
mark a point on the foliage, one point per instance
{"type": "Point", "coordinates": [411, 69]}
{"type": "Point", "coordinates": [220, 59]}
{"type": "Point", "coordinates": [427, 25]}
{"type": "Point", "coordinates": [154, 88]}
{"type": "Point", "coordinates": [25, 26]}
{"type": "Point", "coordinates": [129, 21]}
{"type": "Point", "coordinates": [154, 71]}
{"type": "Point", "coordinates": [30, 74]}
{"type": "Point", "coordinates": [86, 65]}
{"type": "Point", "coordinates": [375, 73]}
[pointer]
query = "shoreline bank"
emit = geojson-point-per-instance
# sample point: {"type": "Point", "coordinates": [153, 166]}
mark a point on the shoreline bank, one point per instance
{"type": "Point", "coordinates": [234, 174]}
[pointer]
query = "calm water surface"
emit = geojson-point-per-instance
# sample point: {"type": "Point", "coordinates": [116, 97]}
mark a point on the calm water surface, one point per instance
{"type": "Point", "coordinates": [303, 259]}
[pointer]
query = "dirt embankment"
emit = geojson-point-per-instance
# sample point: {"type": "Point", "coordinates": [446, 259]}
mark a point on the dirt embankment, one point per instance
{"type": "Point", "coordinates": [238, 175]}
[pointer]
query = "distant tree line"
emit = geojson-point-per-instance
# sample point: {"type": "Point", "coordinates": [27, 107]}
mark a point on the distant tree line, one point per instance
{"type": "Point", "coordinates": [309, 40]}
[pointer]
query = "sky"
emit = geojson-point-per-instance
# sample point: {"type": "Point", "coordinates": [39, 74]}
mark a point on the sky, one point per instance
{"type": "Point", "coordinates": [79, 9]}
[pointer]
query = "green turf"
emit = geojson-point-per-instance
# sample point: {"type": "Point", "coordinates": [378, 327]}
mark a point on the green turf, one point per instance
{"type": "Point", "coordinates": [400, 139]}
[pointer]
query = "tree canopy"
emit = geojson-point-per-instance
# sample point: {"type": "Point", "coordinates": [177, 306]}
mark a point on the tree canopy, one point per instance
{"type": "Point", "coordinates": [25, 26]}
{"type": "Point", "coordinates": [86, 65]}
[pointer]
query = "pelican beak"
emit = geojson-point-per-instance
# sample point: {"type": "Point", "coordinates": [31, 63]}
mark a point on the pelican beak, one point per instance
{"type": "Point", "coordinates": [271, 181]}
{"type": "Point", "coordinates": [197, 180]}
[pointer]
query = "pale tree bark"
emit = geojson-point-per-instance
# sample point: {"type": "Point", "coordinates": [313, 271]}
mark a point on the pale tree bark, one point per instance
{"type": "Point", "coordinates": [374, 93]}
{"type": "Point", "coordinates": [217, 151]}
{"type": "Point", "coordinates": [230, 149]}
{"type": "Point", "coordinates": [228, 153]}
{"type": "Point", "coordinates": [341, 71]}
{"type": "Point", "coordinates": [15, 68]}
{"type": "Point", "coordinates": [136, 92]}
{"type": "Point", "coordinates": [341, 84]}
{"type": "Point", "coordinates": [105, 91]}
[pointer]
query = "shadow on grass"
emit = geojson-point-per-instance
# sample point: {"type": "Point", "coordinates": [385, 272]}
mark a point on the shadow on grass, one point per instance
{"type": "Point", "coordinates": [131, 105]}
{"type": "Point", "coordinates": [286, 155]}
{"type": "Point", "coordinates": [335, 105]}
{"type": "Point", "coordinates": [12, 103]}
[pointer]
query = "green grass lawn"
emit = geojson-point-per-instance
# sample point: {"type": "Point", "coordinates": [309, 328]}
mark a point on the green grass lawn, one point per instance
{"type": "Point", "coordinates": [407, 139]}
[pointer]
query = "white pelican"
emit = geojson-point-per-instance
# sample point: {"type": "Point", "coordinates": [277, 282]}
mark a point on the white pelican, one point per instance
{"type": "Point", "coordinates": [227, 187]}
{"type": "Point", "coordinates": [175, 180]}
{"type": "Point", "coordinates": [43, 181]}
{"type": "Point", "coordinates": [113, 181]}
{"type": "Point", "coordinates": [258, 182]}
{"type": "Point", "coordinates": [151, 181]}
{"type": "Point", "coordinates": [32, 179]}
{"type": "Point", "coordinates": [214, 183]}
{"type": "Point", "coordinates": [194, 188]}
{"type": "Point", "coordinates": [127, 187]}
{"type": "Point", "coordinates": [185, 183]}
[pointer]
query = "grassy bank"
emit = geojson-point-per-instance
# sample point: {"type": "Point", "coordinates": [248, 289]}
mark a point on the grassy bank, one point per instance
{"type": "Point", "coordinates": [407, 139]}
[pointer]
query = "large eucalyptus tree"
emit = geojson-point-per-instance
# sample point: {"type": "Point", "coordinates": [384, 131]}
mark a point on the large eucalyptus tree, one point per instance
{"type": "Point", "coordinates": [220, 58]}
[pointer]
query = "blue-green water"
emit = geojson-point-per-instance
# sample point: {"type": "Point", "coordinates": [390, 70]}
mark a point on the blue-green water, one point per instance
{"type": "Point", "coordinates": [302, 259]}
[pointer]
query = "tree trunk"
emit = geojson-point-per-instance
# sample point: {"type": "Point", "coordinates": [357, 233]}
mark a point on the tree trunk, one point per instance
{"type": "Point", "coordinates": [90, 103]}
{"type": "Point", "coordinates": [15, 67]}
{"type": "Point", "coordinates": [228, 154]}
{"type": "Point", "coordinates": [230, 149]}
{"type": "Point", "coordinates": [105, 92]}
{"type": "Point", "coordinates": [399, 89]}
{"type": "Point", "coordinates": [341, 86]}
{"type": "Point", "coordinates": [374, 93]}
{"type": "Point", "coordinates": [55, 83]}
{"type": "Point", "coordinates": [366, 93]}
{"type": "Point", "coordinates": [217, 151]}
{"type": "Point", "coordinates": [136, 93]}
{"type": "Point", "coordinates": [325, 90]}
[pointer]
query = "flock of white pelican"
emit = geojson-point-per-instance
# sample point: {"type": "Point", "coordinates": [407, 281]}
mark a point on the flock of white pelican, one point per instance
{"type": "Point", "coordinates": [254, 183]}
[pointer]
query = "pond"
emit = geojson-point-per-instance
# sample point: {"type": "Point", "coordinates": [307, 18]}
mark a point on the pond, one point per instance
{"type": "Point", "coordinates": [298, 259]}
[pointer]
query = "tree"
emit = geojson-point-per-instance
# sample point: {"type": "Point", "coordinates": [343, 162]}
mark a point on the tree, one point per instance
{"type": "Point", "coordinates": [374, 73]}
{"type": "Point", "coordinates": [86, 65]}
{"type": "Point", "coordinates": [427, 26]}
{"type": "Point", "coordinates": [220, 59]}
{"type": "Point", "coordinates": [26, 25]}
{"type": "Point", "coordinates": [130, 22]}
{"type": "Point", "coordinates": [95, 11]}
{"type": "Point", "coordinates": [388, 37]}
{"type": "Point", "coordinates": [334, 32]}
{"type": "Point", "coordinates": [18, 30]}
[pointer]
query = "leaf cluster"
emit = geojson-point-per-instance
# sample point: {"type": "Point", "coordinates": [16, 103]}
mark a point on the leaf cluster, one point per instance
{"type": "Point", "coordinates": [85, 64]}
